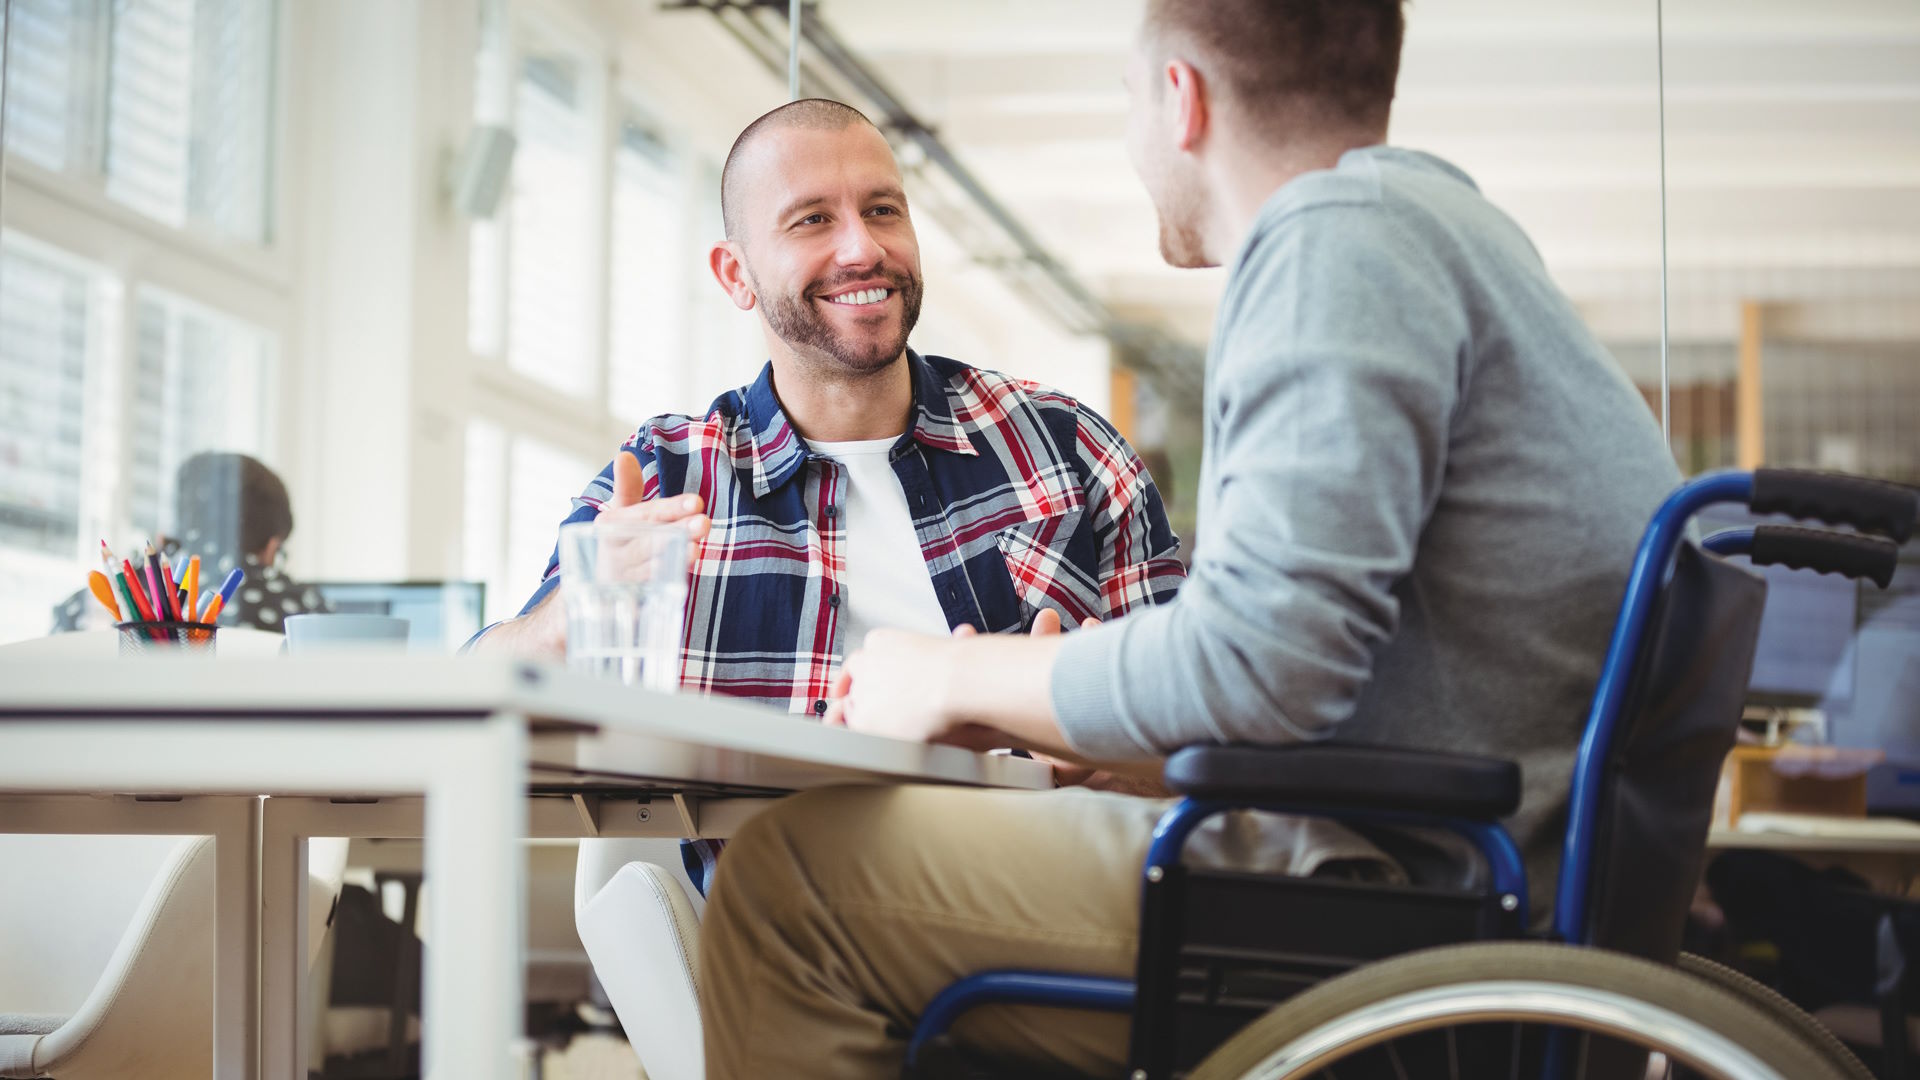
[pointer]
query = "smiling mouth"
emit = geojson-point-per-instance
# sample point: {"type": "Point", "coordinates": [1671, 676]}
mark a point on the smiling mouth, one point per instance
{"type": "Point", "coordinates": [859, 297]}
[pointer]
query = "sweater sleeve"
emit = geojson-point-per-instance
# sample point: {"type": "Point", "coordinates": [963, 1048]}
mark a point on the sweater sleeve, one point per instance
{"type": "Point", "coordinates": [1331, 390]}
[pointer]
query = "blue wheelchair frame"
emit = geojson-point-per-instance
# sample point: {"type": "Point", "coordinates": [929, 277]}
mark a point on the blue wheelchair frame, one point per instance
{"type": "Point", "coordinates": [1651, 570]}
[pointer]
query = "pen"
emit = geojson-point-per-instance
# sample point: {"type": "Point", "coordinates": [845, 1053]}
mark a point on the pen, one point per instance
{"type": "Point", "coordinates": [227, 589]}
{"type": "Point", "coordinates": [209, 610]}
{"type": "Point", "coordinates": [103, 592]}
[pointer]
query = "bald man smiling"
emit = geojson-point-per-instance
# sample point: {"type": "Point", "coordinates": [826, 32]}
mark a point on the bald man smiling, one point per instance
{"type": "Point", "coordinates": [856, 484]}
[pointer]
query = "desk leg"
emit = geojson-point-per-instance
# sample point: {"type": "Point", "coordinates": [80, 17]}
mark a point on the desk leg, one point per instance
{"type": "Point", "coordinates": [283, 942]}
{"type": "Point", "coordinates": [476, 815]}
{"type": "Point", "coordinates": [236, 854]}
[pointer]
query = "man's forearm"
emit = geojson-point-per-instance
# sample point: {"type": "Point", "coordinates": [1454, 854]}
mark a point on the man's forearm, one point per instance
{"type": "Point", "coordinates": [540, 633]}
{"type": "Point", "coordinates": [1004, 682]}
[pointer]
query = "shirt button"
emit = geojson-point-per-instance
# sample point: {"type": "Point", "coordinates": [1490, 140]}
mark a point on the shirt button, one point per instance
{"type": "Point", "coordinates": [820, 707]}
{"type": "Point", "coordinates": [834, 600]}
{"type": "Point", "coordinates": [832, 510]}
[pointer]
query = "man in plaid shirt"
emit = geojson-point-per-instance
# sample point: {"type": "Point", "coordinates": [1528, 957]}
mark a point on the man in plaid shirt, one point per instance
{"type": "Point", "coordinates": [857, 484]}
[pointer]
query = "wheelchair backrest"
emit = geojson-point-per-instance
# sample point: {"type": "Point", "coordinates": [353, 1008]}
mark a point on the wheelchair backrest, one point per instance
{"type": "Point", "coordinates": [1680, 717]}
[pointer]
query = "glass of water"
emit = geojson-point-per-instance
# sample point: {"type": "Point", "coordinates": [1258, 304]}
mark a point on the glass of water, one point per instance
{"type": "Point", "coordinates": [624, 585]}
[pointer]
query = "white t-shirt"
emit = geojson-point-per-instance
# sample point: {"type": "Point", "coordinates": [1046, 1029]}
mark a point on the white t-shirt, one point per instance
{"type": "Point", "coordinates": [886, 584]}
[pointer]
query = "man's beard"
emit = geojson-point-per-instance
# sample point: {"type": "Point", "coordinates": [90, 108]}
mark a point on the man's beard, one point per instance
{"type": "Point", "coordinates": [796, 321]}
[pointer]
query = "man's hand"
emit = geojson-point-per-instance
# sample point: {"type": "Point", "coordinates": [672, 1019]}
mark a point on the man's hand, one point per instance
{"type": "Point", "coordinates": [928, 689]}
{"type": "Point", "coordinates": [899, 678]}
{"type": "Point", "coordinates": [629, 502]}
{"type": "Point", "coordinates": [543, 631]}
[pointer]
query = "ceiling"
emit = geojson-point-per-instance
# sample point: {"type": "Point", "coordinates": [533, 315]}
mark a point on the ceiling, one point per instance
{"type": "Point", "coordinates": [1793, 140]}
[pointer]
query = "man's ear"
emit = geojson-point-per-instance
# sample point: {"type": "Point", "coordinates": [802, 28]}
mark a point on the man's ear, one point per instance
{"type": "Point", "coordinates": [731, 272]}
{"type": "Point", "coordinates": [1186, 96]}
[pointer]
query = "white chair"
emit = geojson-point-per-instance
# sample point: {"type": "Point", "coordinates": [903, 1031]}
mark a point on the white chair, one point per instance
{"type": "Point", "coordinates": [641, 928]}
{"type": "Point", "coordinates": [108, 943]}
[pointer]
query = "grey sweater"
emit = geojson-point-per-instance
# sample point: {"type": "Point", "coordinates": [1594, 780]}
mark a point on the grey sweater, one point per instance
{"type": "Point", "coordinates": [1423, 484]}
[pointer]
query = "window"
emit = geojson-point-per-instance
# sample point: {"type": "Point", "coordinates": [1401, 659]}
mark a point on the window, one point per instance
{"type": "Point", "coordinates": [486, 243]}
{"type": "Point", "coordinates": [162, 106]}
{"type": "Point", "coordinates": [589, 303]}
{"type": "Point", "coordinates": [199, 383]}
{"type": "Point", "coordinates": [109, 376]}
{"type": "Point", "coordinates": [648, 280]}
{"type": "Point", "coordinates": [518, 489]}
{"type": "Point", "coordinates": [551, 274]}
{"type": "Point", "coordinates": [541, 484]}
{"type": "Point", "coordinates": [47, 308]}
{"type": "Point", "coordinates": [483, 550]}
{"type": "Point", "coordinates": [45, 55]}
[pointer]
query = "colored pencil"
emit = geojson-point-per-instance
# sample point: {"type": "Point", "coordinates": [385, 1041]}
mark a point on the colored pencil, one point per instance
{"type": "Point", "coordinates": [192, 585]}
{"type": "Point", "coordinates": [156, 584]}
{"type": "Point", "coordinates": [172, 592]}
{"type": "Point", "coordinates": [141, 603]}
{"type": "Point", "coordinates": [127, 594]}
{"type": "Point", "coordinates": [103, 591]}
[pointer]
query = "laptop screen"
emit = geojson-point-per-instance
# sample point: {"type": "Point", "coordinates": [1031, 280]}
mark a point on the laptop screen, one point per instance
{"type": "Point", "coordinates": [441, 615]}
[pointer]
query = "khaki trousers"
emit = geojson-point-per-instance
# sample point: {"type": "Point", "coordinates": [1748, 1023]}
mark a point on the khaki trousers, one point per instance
{"type": "Point", "coordinates": [838, 914]}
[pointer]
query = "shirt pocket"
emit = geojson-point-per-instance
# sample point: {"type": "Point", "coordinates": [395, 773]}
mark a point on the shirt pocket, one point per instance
{"type": "Point", "coordinates": [1039, 557]}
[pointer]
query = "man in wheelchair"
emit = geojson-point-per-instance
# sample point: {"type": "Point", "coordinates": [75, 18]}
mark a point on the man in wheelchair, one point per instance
{"type": "Point", "coordinates": [1423, 485]}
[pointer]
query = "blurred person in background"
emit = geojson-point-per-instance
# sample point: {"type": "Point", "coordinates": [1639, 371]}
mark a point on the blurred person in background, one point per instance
{"type": "Point", "coordinates": [230, 510]}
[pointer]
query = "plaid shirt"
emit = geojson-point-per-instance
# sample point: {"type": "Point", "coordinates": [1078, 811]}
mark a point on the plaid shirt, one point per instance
{"type": "Point", "coordinates": [1022, 499]}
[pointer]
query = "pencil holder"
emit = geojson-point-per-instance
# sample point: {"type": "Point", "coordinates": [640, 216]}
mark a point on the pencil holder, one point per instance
{"type": "Point", "coordinates": [166, 636]}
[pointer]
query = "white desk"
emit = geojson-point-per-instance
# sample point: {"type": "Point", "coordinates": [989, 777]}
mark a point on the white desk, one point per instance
{"type": "Point", "coordinates": [445, 748]}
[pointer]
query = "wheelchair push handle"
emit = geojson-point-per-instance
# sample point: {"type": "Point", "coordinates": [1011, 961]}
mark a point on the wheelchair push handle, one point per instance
{"type": "Point", "coordinates": [1847, 554]}
{"type": "Point", "coordinates": [1837, 499]}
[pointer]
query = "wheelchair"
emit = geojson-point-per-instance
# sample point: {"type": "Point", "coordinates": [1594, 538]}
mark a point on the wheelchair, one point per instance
{"type": "Point", "coordinates": [1242, 975]}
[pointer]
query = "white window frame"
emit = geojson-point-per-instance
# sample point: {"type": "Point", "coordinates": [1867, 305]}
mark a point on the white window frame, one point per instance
{"type": "Point", "coordinates": [69, 212]}
{"type": "Point", "coordinates": [517, 403]}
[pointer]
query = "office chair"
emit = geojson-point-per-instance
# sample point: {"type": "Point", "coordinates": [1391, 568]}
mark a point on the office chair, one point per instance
{"type": "Point", "coordinates": [109, 946]}
{"type": "Point", "coordinates": [1241, 975]}
{"type": "Point", "coordinates": [640, 925]}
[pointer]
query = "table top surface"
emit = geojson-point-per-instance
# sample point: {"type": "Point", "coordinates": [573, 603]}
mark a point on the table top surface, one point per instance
{"type": "Point", "coordinates": [586, 733]}
{"type": "Point", "coordinates": [1811, 833]}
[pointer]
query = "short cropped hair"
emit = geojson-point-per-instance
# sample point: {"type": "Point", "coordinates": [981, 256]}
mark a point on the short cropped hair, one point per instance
{"type": "Point", "coordinates": [816, 114]}
{"type": "Point", "coordinates": [1335, 61]}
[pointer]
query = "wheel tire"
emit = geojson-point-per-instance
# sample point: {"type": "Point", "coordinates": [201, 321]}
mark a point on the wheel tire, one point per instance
{"type": "Point", "coordinates": [1689, 997]}
{"type": "Point", "coordinates": [1770, 1001]}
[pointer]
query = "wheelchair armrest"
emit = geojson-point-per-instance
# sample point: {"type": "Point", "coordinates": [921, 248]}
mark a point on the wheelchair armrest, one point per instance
{"type": "Point", "coordinates": [1348, 777]}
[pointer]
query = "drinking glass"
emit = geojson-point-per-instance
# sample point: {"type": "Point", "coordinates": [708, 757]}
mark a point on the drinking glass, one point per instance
{"type": "Point", "coordinates": [624, 586]}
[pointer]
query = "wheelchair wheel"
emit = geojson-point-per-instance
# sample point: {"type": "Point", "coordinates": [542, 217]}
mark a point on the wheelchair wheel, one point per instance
{"type": "Point", "coordinates": [1769, 1001]}
{"type": "Point", "coordinates": [1503, 1009]}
